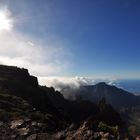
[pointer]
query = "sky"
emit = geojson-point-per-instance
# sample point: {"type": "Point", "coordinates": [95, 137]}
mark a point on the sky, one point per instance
{"type": "Point", "coordinates": [68, 38]}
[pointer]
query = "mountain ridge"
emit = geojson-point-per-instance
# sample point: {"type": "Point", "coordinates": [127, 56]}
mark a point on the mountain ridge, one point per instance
{"type": "Point", "coordinates": [46, 113]}
{"type": "Point", "coordinates": [101, 90]}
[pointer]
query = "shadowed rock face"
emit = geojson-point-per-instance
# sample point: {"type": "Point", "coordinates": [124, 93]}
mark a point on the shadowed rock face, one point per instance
{"type": "Point", "coordinates": [18, 82]}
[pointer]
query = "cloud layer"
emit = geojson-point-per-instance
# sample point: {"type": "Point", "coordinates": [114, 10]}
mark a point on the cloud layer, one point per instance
{"type": "Point", "coordinates": [62, 82]}
{"type": "Point", "coordinates": [68, 86]}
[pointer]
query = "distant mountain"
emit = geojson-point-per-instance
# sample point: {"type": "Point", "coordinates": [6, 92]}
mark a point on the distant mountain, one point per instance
{"type": "Point", "coordinates": [113, 95]}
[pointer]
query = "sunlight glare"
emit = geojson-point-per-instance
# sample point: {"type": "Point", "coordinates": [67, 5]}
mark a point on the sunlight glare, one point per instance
{"type": "Point", "coordinates": [5, 21]}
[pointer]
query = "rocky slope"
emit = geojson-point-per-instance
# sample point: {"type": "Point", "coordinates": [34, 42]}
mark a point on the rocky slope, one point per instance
{"type": "Point", "coordinates": [29, 111]}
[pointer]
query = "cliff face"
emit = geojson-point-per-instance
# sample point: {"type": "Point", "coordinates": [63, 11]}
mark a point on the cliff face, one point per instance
{"type": "Point", "coordinates": [10, 75]}
{"type": "Point", "coordinates": [18, 82]}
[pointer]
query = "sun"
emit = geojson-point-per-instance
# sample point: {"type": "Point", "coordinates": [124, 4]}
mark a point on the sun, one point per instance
{"type": "Point", "coordinates": [5, 21]}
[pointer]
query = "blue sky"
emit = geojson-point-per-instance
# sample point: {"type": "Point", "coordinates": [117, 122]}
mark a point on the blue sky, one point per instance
{"type": "Point", "coordinates": [100, 38]}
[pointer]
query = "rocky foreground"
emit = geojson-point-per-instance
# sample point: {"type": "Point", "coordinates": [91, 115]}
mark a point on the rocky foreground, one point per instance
{"type": "Point", "coordinates": [32, 130]}
{"type": "Point", "coordinates": [27, 129]}
{"type": "Point", "coordinates": [31, 112]}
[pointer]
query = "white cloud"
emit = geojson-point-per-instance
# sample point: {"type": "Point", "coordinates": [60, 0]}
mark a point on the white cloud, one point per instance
{"type": "Point", "coordinates": [62, 82]}
{"type": "Point", "coordinates": [68, 86]}
{"type": "Point", "coordinates": [73, 82]}
{"type": "Point", "coordinates": [41, 60]}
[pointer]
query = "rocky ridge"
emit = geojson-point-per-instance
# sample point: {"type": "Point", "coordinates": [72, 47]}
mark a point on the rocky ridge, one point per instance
{"type": "Point", "coordinates": [29, 111]}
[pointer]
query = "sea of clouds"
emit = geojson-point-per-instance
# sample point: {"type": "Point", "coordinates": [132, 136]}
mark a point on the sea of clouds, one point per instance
{"type": "Point", "coordinates": [69, 85]}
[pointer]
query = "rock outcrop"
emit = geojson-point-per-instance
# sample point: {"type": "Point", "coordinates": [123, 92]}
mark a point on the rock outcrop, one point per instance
{"type": "Point", "coordinates": [16, 75]}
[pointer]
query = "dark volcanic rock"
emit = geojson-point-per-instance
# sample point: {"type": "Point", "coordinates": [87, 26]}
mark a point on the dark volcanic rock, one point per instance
{"type": "Point", "coordinates": [17, 89]}
{"type": "Point", "coordinates": [14, 74]}
{"type": "Point", "coordinates": [18, 82]}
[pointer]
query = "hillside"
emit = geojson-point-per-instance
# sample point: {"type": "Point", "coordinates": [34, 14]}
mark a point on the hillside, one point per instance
{"type": "Point", "coordinates": [29, 111]}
